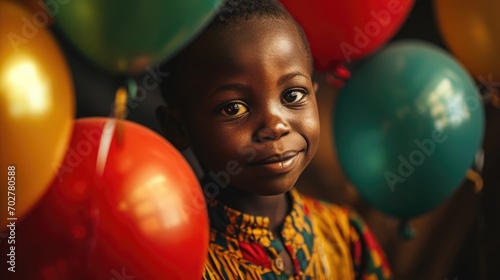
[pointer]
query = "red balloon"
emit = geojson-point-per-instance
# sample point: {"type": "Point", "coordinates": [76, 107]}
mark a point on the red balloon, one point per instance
{"type": "Point", "coordinates": [152, 217]}
{"type": "Point", "coordinates": [341, 31]}
{"type": "Point", "coordinates": [135, 209]}
{"type": "Point", "coordinates": [52, 240]}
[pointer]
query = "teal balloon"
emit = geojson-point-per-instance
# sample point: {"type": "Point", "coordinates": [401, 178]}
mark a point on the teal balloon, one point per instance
{"type": "Point", "coordinates": [124, 36]}
{"type": "Point", "coordinates": [407, 126]}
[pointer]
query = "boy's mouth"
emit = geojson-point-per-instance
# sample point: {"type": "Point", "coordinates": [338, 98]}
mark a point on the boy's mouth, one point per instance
{"type": "Point", "coordinates": [278, 163]}
{"type": "Point", "coordinates": [276, 158]}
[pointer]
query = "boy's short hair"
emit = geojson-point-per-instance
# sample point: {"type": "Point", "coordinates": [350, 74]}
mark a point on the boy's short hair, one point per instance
{"type": "Point", "coordinates": [230, 12]}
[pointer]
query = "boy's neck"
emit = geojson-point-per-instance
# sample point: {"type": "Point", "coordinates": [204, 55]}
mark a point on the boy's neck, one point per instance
{"type": "Point", "coordinates": [276, 207]}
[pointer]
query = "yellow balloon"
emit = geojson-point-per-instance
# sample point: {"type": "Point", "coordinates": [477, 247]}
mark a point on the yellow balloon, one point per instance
{"type": "Point", "coordinates": [36, 110]}
{"type": "Point", "coordinates": [471, 30]}
{"type": "Point", "coordinates": [39, 13]}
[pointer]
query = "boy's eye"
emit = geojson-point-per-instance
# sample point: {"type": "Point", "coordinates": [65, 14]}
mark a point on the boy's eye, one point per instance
{"type": "Point", "coordinates": [234, 109]}
{"type": "Point", "coordinates": [293, 96]}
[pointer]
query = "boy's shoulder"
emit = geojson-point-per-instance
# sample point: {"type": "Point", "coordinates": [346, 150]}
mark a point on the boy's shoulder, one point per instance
{"type": "Point", "coordinates": [366, 253]}
{"type": "Point", "coordinates": [323, 209]}
{"type": "Point", "coordinates": [327, 215]}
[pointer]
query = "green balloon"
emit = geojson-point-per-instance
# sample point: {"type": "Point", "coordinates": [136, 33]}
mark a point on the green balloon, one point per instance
{"type": "Point", "coordinates": [124, 36]}
{"type": "Point", "coordinates": [407, 126]}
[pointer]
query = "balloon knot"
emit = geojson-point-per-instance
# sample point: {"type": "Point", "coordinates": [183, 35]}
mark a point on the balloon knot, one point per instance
{"type": "Point", "coordinates": [338, 76]}
{"type": "Point", "coordinates": [406, 231]}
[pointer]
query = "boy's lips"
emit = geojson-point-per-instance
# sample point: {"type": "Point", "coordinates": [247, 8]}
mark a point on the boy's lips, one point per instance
{"type": "Point", "coordinates": [277, 163]}
{"type": "Point", "coordinates": [276, 158]}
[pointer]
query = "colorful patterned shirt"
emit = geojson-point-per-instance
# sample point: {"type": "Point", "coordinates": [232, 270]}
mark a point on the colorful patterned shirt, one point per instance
{"type": "Point", "coordinates": [325, 241]}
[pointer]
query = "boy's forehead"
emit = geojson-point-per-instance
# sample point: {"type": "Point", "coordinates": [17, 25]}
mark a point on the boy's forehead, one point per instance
{"type": "Point", "coordinates": [236, 41]}
{"type": "Point", "coordinates": [249, 48]}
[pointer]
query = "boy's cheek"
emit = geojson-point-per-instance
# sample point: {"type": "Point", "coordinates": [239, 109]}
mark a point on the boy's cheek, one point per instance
{"type": "Point", "coordinates": [312, 126]}
{"type": "Point", "coordinates": [311, 123]}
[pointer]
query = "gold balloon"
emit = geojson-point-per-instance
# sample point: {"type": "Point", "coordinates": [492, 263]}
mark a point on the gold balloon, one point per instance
{"type": "Point", "coordinates": [39, 12]}
{"type": "Point", "coordinates": [36, 110]}
{"type": "Point", "coordinates": [471, 30]}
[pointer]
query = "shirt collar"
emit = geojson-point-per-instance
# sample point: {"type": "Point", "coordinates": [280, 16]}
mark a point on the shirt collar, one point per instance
{"type": "Point", "coordinates": [246, 227]}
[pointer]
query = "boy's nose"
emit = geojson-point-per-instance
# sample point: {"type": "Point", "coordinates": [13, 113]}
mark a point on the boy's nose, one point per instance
{"type": "Point", "coordinates": [274, 127]}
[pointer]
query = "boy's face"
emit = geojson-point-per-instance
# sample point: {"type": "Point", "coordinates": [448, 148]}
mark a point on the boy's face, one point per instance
{"type": "Point", "coordinates": [248, 105]}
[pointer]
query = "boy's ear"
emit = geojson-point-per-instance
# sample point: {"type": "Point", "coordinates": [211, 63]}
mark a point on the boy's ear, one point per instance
{"type": "Point", "coordinates": [315, 87]}
{"type": "Point", "coordinates": [173, 127]}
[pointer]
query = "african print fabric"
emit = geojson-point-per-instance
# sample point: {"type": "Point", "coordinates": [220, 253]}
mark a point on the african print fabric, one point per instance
{"type": "Point", "coordinates": [325, 241]}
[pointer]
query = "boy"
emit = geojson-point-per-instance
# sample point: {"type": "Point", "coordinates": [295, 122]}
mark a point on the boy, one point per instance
{"type": "Point", "coordinates": [242, 99]}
